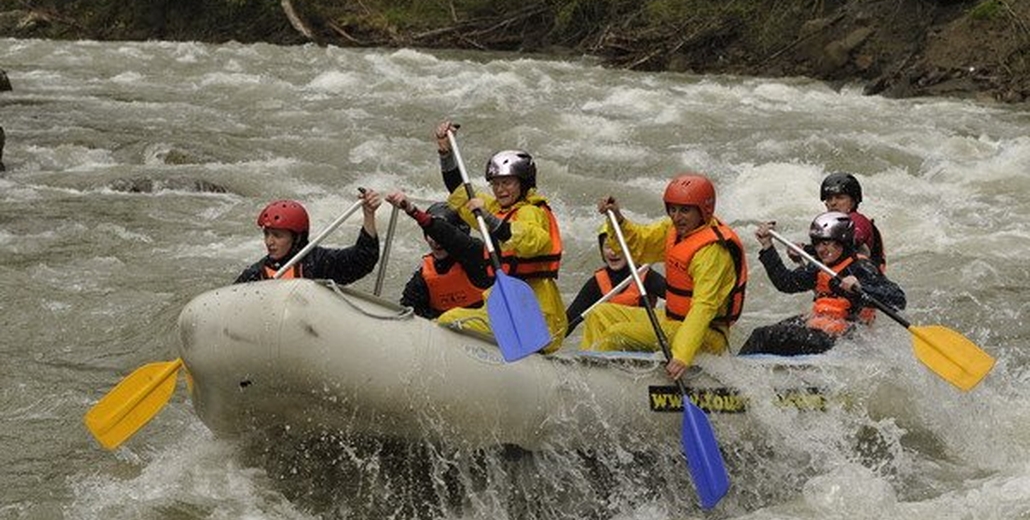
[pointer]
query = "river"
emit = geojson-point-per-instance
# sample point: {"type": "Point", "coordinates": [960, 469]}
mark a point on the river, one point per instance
{"type": "Point", "coordinates": [93, 276]}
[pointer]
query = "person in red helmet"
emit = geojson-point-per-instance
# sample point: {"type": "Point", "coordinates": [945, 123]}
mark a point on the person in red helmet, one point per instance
{"type": "Point", "coordinates": [838, 306]}
{"type": "Point", "coordinates": [286, 226]}
{"type": "Point", "coordinates": [705, 274]}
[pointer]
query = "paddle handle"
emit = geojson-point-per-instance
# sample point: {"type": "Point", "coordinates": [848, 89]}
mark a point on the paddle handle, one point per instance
{"type": "Point", "coordinates": [317, 240]}
{"type": "Point", "coordinates": [381, 275]}
{"type": "Point", "coordinates": [472, 194]}
{"type": "Point", "coordinates": [886, 309]}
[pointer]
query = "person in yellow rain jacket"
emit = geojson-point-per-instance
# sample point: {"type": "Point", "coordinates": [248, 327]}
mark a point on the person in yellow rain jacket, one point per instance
{"type": "Point", "coordinates": [705, 272]}
{"type": "Point", "coordinates": [522, 225]}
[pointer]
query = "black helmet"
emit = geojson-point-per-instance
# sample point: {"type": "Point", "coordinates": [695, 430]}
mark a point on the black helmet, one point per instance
{"type": "Point", "coordinates": [513, 162]}
{"type": "Point", "coordinates": [833, 225]}
{"type": "Point", "coordinates": [442, 211]}
{"type": "Point", "coordinates": [840, 182]}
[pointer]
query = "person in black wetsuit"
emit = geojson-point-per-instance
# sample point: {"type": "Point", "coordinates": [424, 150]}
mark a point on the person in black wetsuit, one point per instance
{"type": "Point", "coordinates": [839, 305]}
{"type": "Point", "coordinates": [286, 226]}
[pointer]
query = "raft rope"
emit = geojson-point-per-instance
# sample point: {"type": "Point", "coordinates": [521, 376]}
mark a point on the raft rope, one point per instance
{"type": "Point", "coordinates": [402, 314]}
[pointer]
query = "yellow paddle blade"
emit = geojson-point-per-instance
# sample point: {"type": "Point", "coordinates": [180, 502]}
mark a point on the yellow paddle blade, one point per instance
{"type": "Point", "coordinates": [951, 355]}
{"type": "Point", "coordinates": [133, 403]}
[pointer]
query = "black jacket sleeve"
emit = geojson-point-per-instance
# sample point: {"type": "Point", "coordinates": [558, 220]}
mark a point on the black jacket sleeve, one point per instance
{"type": "Point", "coordinates": [588, 294]}
{"type": "Point", "coordinates": [655, 284]}
{"type": "Point", "coordinates": [343, 266]}
{"type": "Point", "coordinates": [451, 173]}
{"type": "Point", "coordinates": [875, 284]}
{"type": "Point", "coordinates": [800, 279]}
{"type": "Point", "coordinates": [416, 296]}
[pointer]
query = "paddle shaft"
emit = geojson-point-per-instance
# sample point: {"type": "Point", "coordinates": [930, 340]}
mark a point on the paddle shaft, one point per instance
{"type": "Point", "coordinates": [886, 309]}
{"type": "Point", "coordinates": [390, 228]}
{"type": "Point", "coordinates": [607, 296]}
{"type": "Point", "coordinates": [494, 259]}
{"type": "Point", "coordinates": [314, 242]}
{"type": "Point", "coordinates": [704, 460]}
{"type": "Point", "coordinates": [662, 340]}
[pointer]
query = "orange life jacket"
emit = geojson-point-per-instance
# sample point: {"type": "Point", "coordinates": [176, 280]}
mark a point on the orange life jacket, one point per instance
{"type": "Point", "coordinates": [680, 285]}
{"type": "Point", "coordinates": [294, 272]}
{"type": "Point", "coordinates": [832, 313]}
{"type": "Point", "coordinates": [451, 289]}
{"type": "Point", "coordinates": [542, 266]}
{"type": "Point", "coordinates": [629, 296]}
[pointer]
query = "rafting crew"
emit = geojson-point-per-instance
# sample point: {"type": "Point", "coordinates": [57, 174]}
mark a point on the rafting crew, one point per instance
{"type": "Point", "coordinates": [705, 270]}
{"type": "Point", "coordinates": [521, 224]}
{"type": "Point", "coordinates": [454, 273]}
{"type": "Point", "coordinates": [286, 226]}
{"type": "Point", "coordinates": [839, 305]}
{"type": "Point", "coordinates": [606, 278]}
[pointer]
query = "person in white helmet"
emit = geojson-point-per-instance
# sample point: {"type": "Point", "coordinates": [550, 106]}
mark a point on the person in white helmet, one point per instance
{"type": "Point", "coordinates": [839, 306]}
{"type": "Point", "coordinates": [522, 226]}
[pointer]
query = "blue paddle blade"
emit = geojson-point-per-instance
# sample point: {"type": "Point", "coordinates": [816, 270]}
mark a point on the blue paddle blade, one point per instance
{"type": "Point", "coordinates": [515, 318]}
{"type": "Point", "coordinates": [707, 468]}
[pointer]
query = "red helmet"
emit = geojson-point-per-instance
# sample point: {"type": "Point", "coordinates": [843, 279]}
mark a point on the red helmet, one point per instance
{"type": "Point", "coordinates": [284, 214]}
{"type": "Point", "coordinates": [692, 189]}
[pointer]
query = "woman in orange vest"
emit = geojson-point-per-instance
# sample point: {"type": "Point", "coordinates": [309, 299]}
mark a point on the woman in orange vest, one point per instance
{"type": "Point", "coordinates": [838, 306]}
{"type": "Point", "coordinates": [454, 272]}
{"type": "Point", "coordinates": [522, 226]}
{"type": "Point", "coordinates": [705, 275]}
{"type": "Point", "coordinates": [285, 225]}
{"type": "Point", "coordinates": [615, 270]}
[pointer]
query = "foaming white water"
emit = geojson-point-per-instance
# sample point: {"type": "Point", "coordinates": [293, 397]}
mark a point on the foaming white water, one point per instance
{"type": "Point", "coordinates": [194, 476]}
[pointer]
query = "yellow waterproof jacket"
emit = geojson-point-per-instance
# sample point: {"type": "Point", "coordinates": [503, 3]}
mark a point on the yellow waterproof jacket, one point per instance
{"type": "Point", "coordinates": [712, 269]}
{"type": "Point", "coordinates": [530, 237]}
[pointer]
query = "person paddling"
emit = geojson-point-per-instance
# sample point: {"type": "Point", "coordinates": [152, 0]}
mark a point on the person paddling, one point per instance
{"type": "Point", "coordinates": [286, 226]}
{"type": "Point", "coordinates": [705, 270]}
{"type": "Point", "coordinates": [454, 272]}
{"type": "Point", "coordinates": [615, 270]}
{"type": "Point", "coordinates": [839, 305]}
{"type": "Point", "coordinates": [521, 224]}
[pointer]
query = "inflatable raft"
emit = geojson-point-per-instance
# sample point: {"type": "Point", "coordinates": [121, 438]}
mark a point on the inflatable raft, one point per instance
{"type": "Point", "coordinates": [311, 357]}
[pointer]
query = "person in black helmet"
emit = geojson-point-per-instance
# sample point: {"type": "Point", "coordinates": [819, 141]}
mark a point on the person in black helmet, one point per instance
{"type": "Point", "coordinates": [285, 226]}
{"type": "Point", "coordinates": [838, 306]}
{"type": "Point", "coordinates": [842, 192]}
{"type": "Point", "coordinates": [454, 272]}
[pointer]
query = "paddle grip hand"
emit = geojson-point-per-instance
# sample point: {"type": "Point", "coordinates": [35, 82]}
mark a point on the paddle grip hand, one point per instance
{"type": "Point", "coordinates": [847, 286]}
{"type": "Point", "coordinates": [609, 204]}
{"type": "Point", "coordinates": [443, 144]}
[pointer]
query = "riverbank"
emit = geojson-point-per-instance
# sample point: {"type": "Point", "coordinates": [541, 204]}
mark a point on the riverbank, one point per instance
{"type": "Point", "coordinates": [897, 48]}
